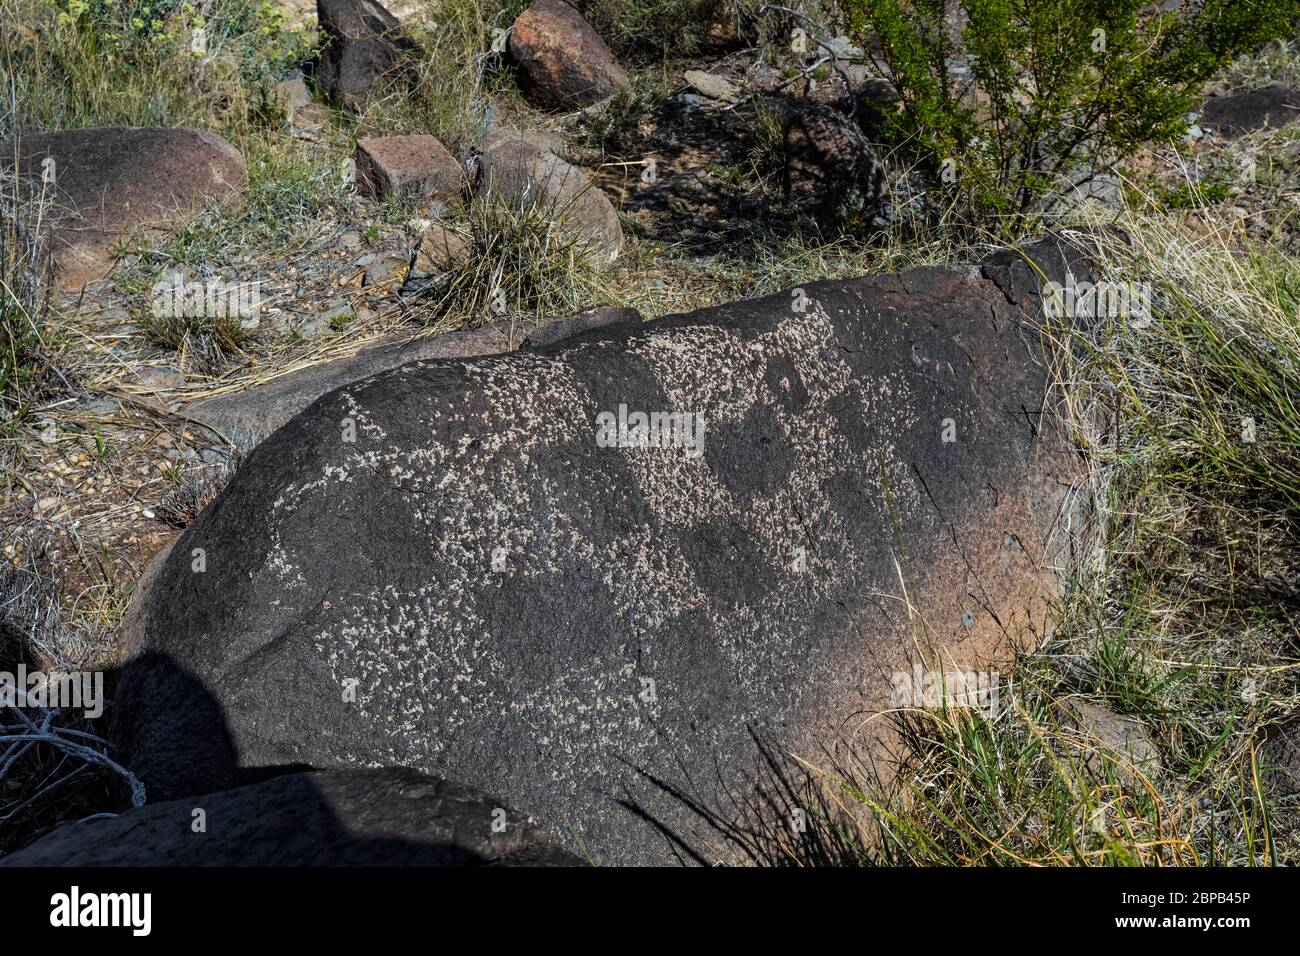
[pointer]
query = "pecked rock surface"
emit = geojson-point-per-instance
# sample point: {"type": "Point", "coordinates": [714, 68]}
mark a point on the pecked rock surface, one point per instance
{"type": "Point", "coordinates": [387, 817]}
{"type": "Point", "coordinates": [246, 417]}
{"type": "Point", "coordinates": [628, 643]}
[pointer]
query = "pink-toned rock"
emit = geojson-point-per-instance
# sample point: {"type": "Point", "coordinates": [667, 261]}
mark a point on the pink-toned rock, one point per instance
{"type": "Point", "coordinates": [440, 249]}
{"type": "Point", "coordinates": [408, 166]}
{"type": "Point", "coordinates": [562, 61]}
{"type": "Point", "coordinates": [106, 183]}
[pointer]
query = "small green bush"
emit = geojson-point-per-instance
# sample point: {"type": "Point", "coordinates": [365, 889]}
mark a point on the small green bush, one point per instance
{"type": "Point", "coordinates": [78, 63]}
{"type": "Point", "coordinates": [258, 33]}
{"type": "Point", "coordinates": [1032, 93]}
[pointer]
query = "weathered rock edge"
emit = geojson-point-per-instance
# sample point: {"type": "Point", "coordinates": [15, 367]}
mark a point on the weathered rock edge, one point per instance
{"type": "Point", "coordinates": [245, 417]}
{"type": "Point", "coordinates": [329, 562]}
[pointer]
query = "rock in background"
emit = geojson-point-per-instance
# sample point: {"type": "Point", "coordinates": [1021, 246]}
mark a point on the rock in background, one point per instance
{"type": "Point", "coordinates": [831, 170]}
{"type": "Point", "coordinates": [408, 166]}
{"type": "Point", "coordinates": [516, 173]}
{"type": "Point", "coordinates": [561, 61]}
{"type": "Point", "coordinates": [103, 184]}
{"type": "Point", "coordinates": [1266, 108]}
{"type": "Point", "coordinates": [363, 45]}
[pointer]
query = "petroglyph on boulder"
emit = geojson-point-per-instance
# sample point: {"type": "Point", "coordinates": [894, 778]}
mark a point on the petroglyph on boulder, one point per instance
{"type": "Point", "coordinates": [245, 417]}
{"type": "Point", "coordinates": [607, 636]}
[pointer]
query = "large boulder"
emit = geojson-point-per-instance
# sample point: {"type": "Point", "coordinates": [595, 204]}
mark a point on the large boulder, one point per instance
{"type": "Point", "coordinates": [389, 817]}
{"type": "Point", "coordinates": [363, 45]}
{"type": "Point", "coordinates": [562, 62]}
{"type": "Point", "coordinates": [106, 183]}
{"type": "Point", "coordinates": [471, 568]}
{"type": "Point", "coordinates": [514, 172]}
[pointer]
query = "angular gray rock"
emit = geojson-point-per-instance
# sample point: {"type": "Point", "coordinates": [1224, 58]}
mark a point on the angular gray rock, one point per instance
{"type": "Point", "coordinates": [440, 250]}
{"type": "Point", "coordinates": [388, 817]}
{"type": "Point", "coordinates": [105, 183]}
{"type": "Point", "coordinates": [625, 632]}
{"type": "Point", "coordinates": [713, 86]}
{"type": "Point", "coordinates": [513, 172]}
{"type": "Point", "coordinates": [1109, 737]}
{"type": "Point", "coordinates": [562, 62]}
{"type": "Point", "coordinates": [363, 46]}
{"type": "Point", "coordinates": [246, 417]}
{"type": "Point", "coordinates": [544, 139]}
{"type": "Point", "coordinates": [292, 95]}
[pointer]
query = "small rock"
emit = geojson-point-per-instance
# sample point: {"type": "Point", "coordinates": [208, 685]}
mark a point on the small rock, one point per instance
{"type": "Point", "coordinates": [159, 378]}
{"type": "Point", "coordinates": [844, 48]}
{"type": "Point", "coordinates": [408, 166]}
{"type": "Point", "coordinates": [831, 170]}
{"type": "Point", "coordinates": [1282, 756]}
{"type": "Point", "coordinates": [311, 120]}
{"type": "Point", "coordinates": [1117, 735]}
{"type": "Point", "coordinates": [543, 139]}
{"type": "Point", "coordinates": [324, 321]}
{"type": "Point", "coordinates": [713, 86]}
{"type": "Point", "coordinates": [877, 101]}
{"type": "Point", "coordinates": [687, 102]}
{"type": "Point", "coordinates": [440, 250]}
{"type": "Point", "coordinates": [382, 267]}
{"type": "Point", "coordinates": [518, 171]}
{"type": "Point", "coordinates": [292, 94]}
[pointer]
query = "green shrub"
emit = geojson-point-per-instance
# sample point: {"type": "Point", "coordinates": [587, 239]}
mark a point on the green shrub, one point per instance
{"type": "Point", "coordinates": [78, 63]}
{"type": "Point", "coordinates": [258, 33]}
{"type": "Point", "coordinates": [1034, 92]}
